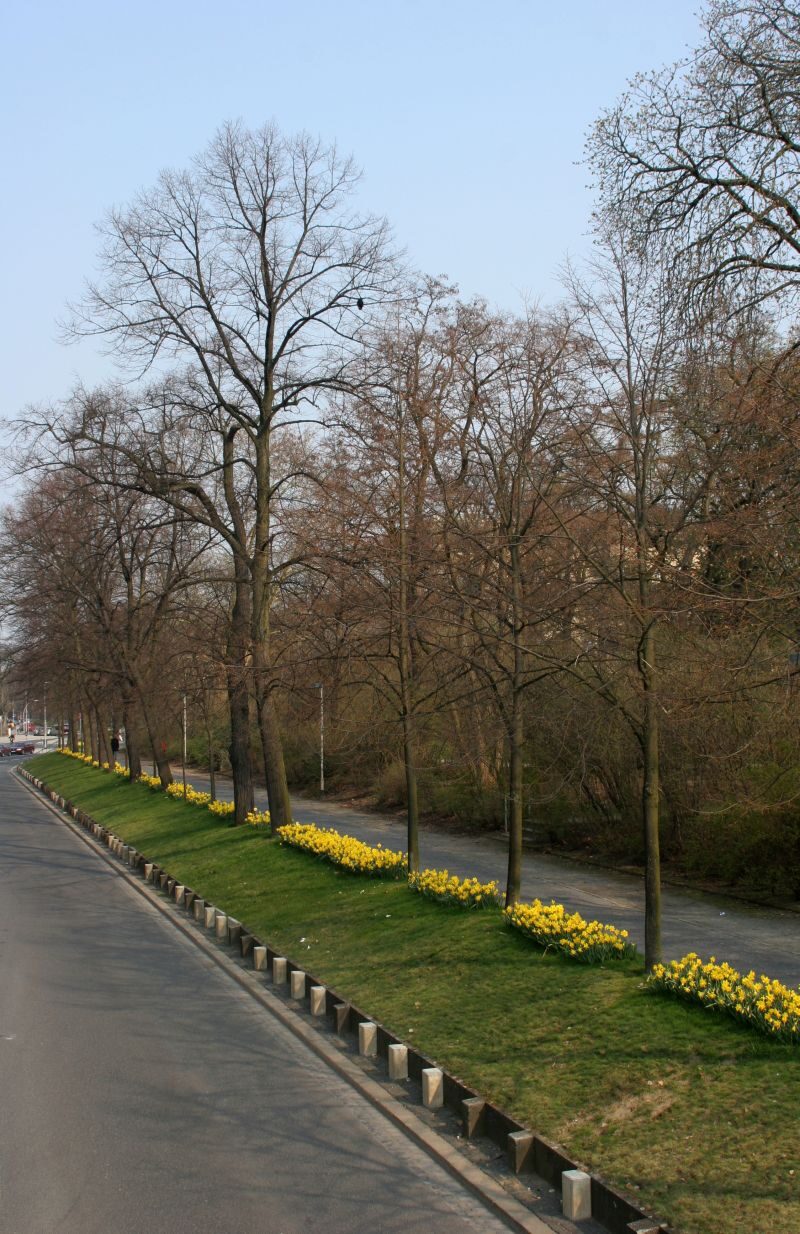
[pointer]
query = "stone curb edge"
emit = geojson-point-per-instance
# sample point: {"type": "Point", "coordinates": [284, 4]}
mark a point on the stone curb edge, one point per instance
{"type": "Point", "coordinates": [527, 1151]}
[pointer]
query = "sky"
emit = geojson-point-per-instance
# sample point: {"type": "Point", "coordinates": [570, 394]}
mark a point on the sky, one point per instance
{"type": "Point", "coordinates": [468, 120]}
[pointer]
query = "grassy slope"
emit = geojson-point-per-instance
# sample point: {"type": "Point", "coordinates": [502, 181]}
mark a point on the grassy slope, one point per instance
{"type": "Point", "coordinates": [692, 1113]}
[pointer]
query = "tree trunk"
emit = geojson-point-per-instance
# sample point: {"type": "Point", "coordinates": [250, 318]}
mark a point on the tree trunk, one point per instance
{"type": "Point", "coordinates": [651, 798]}
{"type": "Point", "coordinates": [158, 747]}
{"type": "Point", "coordinates": [515, 736]}
{"type": "Point", "coordinates": [405, 666]}
{"type": "Point", "coordinates": [239, 701]}
{"type": "Point", "coordinates": [412, 801]}
{"type": "Point", "coordinates": [94, 748]}
{"type": "Point", "coordinates": [515, 739]}
{"type": "Point", "coordinates": [280, 806]}
{"type": "Point", "coordinates": [212, 771]}
{"type": "Point", "coordinates": [132, 755]}
{"type": "Point", "coordinates": [102, 738]}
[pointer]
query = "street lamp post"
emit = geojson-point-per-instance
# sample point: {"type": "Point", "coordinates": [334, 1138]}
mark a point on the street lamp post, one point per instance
{"type": "Point", "coordinates": [44, 706]}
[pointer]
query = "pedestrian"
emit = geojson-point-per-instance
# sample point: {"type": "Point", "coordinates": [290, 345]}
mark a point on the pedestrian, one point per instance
{"type": "Point", "coordinates": [12, 731]}
{"type": "Point", "coordinates": [114, 748]}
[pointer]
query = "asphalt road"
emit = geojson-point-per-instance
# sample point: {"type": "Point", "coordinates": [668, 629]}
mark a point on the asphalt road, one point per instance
{"type": "Point", "coordinates": [143, 1091]}
{"type": "Point", "coordinates": [764, 939]}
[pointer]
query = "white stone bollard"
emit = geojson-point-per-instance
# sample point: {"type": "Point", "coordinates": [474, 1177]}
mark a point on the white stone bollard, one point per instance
{"type": "Point", "coordinates": [260, 959]}
{"type": "Point", "coordinates": [367, 1039]}
{"type": "Point", "coordinates": [279, 970]}
{"type": "Point", "coordinates": [210, 916]}
{"type": "Point", "coordinates": [297, 984]}
{"type": "Point", "coordinates": [221, 926]}
{"type": "Point", "coordinates": [576, 1195]}
{"type": "Point", "coordinates": [148, 871]}
{"type": "Point", "coordinates": [177, 892]}
{"type": "Point", "coordinates": [397, 1057]}
{"type": "Point", "coordinates": [432, 1088]}
{"type": "Point", "coordinates": [199, 910]}
{"type": "Point", "coordinates": [317, 999]}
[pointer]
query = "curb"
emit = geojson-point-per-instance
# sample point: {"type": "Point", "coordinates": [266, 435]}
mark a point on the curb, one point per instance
{"type": "Point", "coordinates": [583, 1195]}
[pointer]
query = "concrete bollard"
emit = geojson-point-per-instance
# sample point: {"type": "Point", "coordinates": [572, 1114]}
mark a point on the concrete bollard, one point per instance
{"type": "Point", "coordinates": [367, 1039]}
{"type": "Point", "coordinates": [279, 970]}
{"type": "Point", "coordinates": [246, 945]}
{"type": "Point", "coordinates": [177, 893]}
{"type": "Point", "coordinates": [297, 984]}
{"type": "Point", "coordinates": [210, 916]}
{"type": "Point", "coordinates": [432, 1088]}
{"type": "Point", "coordinates": [260, 959]}
{"type": "Point", "coordinates": [341, 1011]}
{"type": "Point", "coordinates": [397, 1058]}
{"type": "Point", "coordinates": [221, 927]}
{"type": "Point", "coordinates": [234, 931]}
{"type": "Point", "coordinates": [317, 999]}
{"type": "Point", "coordinates": [189, 898]}
{"type": "Point", "coordinates": [199, 909]}
{"type": "Point", "coordinates": [163, 879]}
{"type": "Point", "coordinates": [576, 1195]}
{"type": "Point", "coordinates": [148, 871]}
{"type": "Point", "coordinates": [519, 1147]}
{"type": "Point", "coordinates": [645, 1226]}
{"type": "Point", "coordinates": [473, 1116]}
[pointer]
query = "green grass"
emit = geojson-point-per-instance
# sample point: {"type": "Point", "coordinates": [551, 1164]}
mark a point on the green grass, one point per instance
{"type": "Point", "coordinates": [693, 1115]}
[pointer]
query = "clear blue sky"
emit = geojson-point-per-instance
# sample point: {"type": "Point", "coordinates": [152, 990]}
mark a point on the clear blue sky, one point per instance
{"type": "Point", "coordinates": [467, 118]}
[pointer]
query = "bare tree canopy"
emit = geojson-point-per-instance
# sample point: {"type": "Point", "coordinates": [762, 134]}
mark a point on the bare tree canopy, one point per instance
{"type": "Point", "coordinates": [707, 152]}
{"type": "Point", "coordinates": [251, 264]}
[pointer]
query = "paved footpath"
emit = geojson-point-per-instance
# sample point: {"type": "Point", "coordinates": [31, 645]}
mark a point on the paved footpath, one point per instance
{"type": "Point", "coordinates": [765, 939]}
{"type": "Point", "coordinates": [143, 1091]}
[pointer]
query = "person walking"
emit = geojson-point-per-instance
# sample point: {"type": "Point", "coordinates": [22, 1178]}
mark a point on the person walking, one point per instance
{"type": "Point", "coordinates": [114, 748]}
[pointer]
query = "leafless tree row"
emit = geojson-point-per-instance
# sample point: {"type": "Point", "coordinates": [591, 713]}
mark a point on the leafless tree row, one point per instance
{"type": "Point", "coordinates": [556, 549]}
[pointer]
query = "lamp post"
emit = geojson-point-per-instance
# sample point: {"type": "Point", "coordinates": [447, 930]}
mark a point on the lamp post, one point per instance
{"type": "Point", "coordinates": [44, 706]}
{"type": "Point", "coordinates": [318, 685]}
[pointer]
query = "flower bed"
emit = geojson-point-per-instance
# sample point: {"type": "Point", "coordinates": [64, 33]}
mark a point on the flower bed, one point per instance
{"type": "Point", "coordinates": [447, 888]}
{"type": "Point", "coordinates": [344, 851]}
{"type": "Point", "coordinates": [221, 809]}
{"type": "Point", "coordinates": [552, 927]}
{"type": "Point", "coordinates": [765, 1004]}
{"type": "Point", "coordinates": [191, 795]}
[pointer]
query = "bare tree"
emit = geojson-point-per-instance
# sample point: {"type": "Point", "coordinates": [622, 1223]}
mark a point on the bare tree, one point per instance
{"type": "Point", "coordinates": [495, 451]}
{"type": "Point", "coordinates": [707, 153]}
{"type": "Point", "coordinates": [252, 272]}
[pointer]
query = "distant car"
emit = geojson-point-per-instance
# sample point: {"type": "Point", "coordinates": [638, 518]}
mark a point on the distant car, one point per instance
{"type": "Point", "coordinates": [18, 747]}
